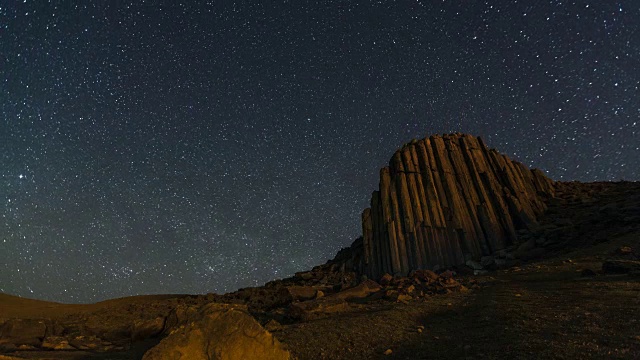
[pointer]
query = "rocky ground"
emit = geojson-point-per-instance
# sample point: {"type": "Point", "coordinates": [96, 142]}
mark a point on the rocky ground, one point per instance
{"type": "Point", "coordinates": [569, 289]}
{"type": "Point", "coordinates": [546, 309]}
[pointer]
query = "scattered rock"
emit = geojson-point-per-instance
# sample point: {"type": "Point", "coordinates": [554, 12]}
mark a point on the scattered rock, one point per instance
{"type": "Point", "coordinates": [314, 309]}
{"type": "Point", "coordinates": [391, 295]}
{"type": "Point", "coordinates": [302, 293]}
{"type": "Point", "coordinates": [86, 342]}
{"type": "Point", "coordinates": [26, 347]}
{"type": "Point", "coordinates": [424, 275]}
{"type": "Point", "coordinates": [624, 250]}
{"type": "Point", "coordinates": [56, 343]}
{"type": "Point", "coordinates": [474, 265]}
{"type": "Point", "coordinates": [386, 279]}
{"type": "Point", "coordinates": [359, 291]}
{"type": "Point", "coordinates": [447, 274]}
{"type": "Point", "coordinates": [306, 275]}
{"type": "Point", "coordinates": [273, 325]}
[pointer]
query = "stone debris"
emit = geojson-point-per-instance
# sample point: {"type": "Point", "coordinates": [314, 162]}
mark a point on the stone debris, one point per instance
{"type": "Point", "coordinates": [56, 343]}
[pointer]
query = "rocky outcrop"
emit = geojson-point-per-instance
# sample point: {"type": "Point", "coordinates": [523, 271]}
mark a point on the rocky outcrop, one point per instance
{"type": "Point", "coordinates": [22, 332]}
{"type": "Point", "coordinates": [219, 331]}
{"type": "Point", "coordinates": [442, 201]}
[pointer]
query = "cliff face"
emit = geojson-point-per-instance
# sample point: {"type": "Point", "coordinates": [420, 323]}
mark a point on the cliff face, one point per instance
{"type": "Point", "coordinates": [444, 200]}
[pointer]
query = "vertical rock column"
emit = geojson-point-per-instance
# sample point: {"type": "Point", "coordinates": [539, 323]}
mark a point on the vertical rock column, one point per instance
{"type": "Point", "coordinates": [446, 198]}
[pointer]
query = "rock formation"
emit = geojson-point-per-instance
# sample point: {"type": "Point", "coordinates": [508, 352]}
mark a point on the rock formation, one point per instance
{"type": "Point", "coordinates": [444, 200]}
{"type": "Point", "coordinates": [219, 331]}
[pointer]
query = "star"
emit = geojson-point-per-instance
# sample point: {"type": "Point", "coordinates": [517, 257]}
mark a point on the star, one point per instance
{"type": "Point", "coordinates": [249, 138]}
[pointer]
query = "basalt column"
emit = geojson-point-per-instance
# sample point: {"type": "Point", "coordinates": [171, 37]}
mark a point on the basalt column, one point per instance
{"type": "Point", "coordinates": [445, 199]}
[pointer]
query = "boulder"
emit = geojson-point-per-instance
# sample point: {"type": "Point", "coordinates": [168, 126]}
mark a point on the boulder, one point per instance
{"type": "Point", "coordinates": [359, 291]}
{"type": "Point", "coordinates": [386, 279]}
{"type": "Point", "coordinates": [23, 332]}
{"type": "Point", "coordinates": [273, 325]}
{"type": "Point", "coordinates": [318, 308]}
{"type": "Point", "coordinates": [391, 295]}
{"type": "Point", "coordinates": [56, 343]}
{"type": "Point", "coordinates": [424, 275]}
{"type": "Point", "coordinates": [474, 264]}
{"type": "Point", "coordinates": [487, 261]}
{"type": "Point", "coordinates": [524, 248]}
{"type": "Point", "coordinates": [88, 343]}
{"type": "Point", "coordinates": [144, 329]}
{"type": "Point", "coordinates": [221, 332]}
{"type": "Point", "coordinates": [302, 293]}
{"type": "Point", "coordinates": [306, 275]}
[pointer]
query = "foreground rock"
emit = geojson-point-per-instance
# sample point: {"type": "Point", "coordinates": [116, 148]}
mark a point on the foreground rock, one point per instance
{"type": "Point", "coordinates": [621, 267]}
{"type": "Point", "coordinates": [220, 331]}
{"type": "Point", "coordinates": [17, 333]}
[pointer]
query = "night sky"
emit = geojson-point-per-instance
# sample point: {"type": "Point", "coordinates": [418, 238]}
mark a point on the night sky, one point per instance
{"type": "Point", "coordinates": [162, 148]}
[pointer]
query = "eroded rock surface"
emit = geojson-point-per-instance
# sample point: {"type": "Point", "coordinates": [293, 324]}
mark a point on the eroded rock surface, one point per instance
{"type": "Point", "coordinates": [220, 331]}
{"type": "Point", "coordinates": [445, 200]}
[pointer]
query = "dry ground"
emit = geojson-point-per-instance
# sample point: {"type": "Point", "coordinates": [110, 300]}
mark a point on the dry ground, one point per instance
{"type": "Point", "coordinates": [545, 311]}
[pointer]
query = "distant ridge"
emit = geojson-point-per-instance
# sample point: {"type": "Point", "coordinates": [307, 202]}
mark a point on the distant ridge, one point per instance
{"type": "Point", "coordinates": [444, 200]}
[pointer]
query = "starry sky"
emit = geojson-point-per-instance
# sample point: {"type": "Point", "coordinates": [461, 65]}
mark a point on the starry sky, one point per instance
{"type": "Point", "coordinates": [157, 147]}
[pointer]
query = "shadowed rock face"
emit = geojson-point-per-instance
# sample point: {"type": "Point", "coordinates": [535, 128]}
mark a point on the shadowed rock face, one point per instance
{"type": "Point", "coordinates": [444, 199]}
